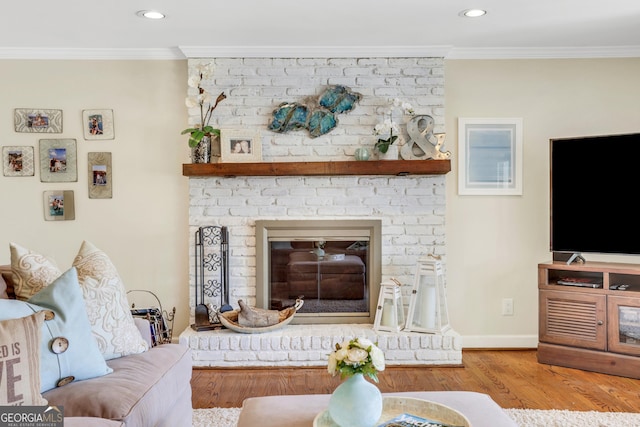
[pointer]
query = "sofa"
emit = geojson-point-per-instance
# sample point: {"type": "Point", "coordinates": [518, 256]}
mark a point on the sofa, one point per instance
{"type": "Point", "coordinates": [149, 387]}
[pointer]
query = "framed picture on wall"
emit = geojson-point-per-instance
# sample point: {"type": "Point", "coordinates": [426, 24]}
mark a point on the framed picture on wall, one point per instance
{"type": "Point", "coordinates": [17, 161]}
{"type": "Point", "coordinates": [37, 120]}
{"type": "Point", "coordinates": [490, 156]}
{"type": "Point", "coordinates": [58, 160]}
{"type": "Point", "coordinates": [98, 124]}
{"type": "Point", "coordinates": [59, 205]}
{"type": "Point", "coordinates": [99, 175]}
{"type": "Point", "coordinates": [240, 146]}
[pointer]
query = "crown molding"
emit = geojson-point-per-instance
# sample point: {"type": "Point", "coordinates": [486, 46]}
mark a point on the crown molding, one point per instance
{"type": "Point", "coordinates": [314, 51]}
{"type": "Point", "coordinates": [90, 54]}
{"type": "Point", "coordinates": [545, 52]}
{"type": "Point", "coordinates": [447, 52]}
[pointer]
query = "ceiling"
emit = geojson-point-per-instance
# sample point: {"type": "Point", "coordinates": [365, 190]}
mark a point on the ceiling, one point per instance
{"type": "Point", "coordinates": [195, 28]}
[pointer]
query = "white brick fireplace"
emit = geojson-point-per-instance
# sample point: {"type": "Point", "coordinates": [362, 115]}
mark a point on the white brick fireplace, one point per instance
{"type": "Point", "coordinates": [411, 208]}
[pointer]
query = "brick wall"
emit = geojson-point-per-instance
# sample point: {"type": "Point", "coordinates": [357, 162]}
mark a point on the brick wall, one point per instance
{"type": "Point", "coordinates": [412, 208]}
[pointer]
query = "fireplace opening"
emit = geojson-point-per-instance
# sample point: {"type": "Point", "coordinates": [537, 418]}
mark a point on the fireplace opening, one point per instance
{"type": "Point", "coordinates": [334, 265]}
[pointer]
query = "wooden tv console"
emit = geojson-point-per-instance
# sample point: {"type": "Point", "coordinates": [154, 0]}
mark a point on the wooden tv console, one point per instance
{"type": "Point", "coordinates": [589, 317]}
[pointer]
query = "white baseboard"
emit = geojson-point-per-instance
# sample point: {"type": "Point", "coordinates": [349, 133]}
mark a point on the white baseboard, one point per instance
{"type": "Point", "coordinates": [499, 341]}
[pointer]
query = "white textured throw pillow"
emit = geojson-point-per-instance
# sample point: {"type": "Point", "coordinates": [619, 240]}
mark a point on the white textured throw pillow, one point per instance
{"type": "Point", "coordinates": [107, 306]}
{"type": "Point", "coordinates": [31, 271]}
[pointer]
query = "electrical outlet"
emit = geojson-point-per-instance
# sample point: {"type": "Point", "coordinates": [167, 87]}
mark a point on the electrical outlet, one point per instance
{"type": "Point", "coordinates": [507, 306]}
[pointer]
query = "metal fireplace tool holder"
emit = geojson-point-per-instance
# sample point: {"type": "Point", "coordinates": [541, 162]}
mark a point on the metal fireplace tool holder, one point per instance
{"type": "Point", "coordinates": [211, 276]}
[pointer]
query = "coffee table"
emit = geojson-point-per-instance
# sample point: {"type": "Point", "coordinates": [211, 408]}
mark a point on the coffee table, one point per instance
{"type": "Point", "coordinates": [300, 410]}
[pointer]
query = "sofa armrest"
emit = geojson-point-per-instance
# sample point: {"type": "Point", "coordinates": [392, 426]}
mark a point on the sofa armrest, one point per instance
{"type": "Point", "coordinates": [144, 327]}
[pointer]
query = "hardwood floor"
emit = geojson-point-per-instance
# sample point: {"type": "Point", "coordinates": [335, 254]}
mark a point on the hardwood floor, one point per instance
{"type": "Point", "coordinates": [513, 378]}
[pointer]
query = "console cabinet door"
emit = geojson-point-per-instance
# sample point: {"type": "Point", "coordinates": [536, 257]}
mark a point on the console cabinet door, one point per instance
{"type": "Point", "coordinates": [624, 324]}
{"type": "Point", "coordinates": [573, 319]}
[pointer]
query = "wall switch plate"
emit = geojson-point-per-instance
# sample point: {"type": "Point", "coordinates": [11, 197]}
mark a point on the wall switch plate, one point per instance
{"type": "Point", "coordinates": [507, 306]}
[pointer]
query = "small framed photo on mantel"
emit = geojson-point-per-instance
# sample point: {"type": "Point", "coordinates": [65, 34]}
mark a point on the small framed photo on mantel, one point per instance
{"type": "Point", "coordinates": [238, 146]}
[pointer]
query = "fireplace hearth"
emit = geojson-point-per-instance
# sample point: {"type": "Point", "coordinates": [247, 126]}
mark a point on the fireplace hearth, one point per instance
{"type": "Point", "coordinates": [310, 345]}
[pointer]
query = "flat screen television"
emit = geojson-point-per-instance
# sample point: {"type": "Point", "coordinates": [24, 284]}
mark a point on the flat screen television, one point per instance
{"type": "Point", "coordinates": [595, 194]}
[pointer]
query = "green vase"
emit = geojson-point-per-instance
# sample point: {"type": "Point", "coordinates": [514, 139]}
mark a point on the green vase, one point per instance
{"type": "Point", "coordinates": [362, 153]}
{"type": "Point", "coordinates": [356, 403]}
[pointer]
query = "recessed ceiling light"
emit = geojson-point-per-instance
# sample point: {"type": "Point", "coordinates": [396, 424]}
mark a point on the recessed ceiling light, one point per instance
{"type": "Point", "coordinates": [473, 13]}
{"type": "Point", "coordinates": [150, 14]}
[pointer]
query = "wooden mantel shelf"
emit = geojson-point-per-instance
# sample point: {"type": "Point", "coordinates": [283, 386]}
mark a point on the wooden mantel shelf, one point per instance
{"type": "Point", "coordinates": [371, 167]}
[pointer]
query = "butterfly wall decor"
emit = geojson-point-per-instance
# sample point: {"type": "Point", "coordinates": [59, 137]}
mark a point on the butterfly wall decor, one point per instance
{"type": "Point", "coordinates": [317, 116]}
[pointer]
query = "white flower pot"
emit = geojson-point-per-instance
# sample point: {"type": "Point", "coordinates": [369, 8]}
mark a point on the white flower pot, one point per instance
{"type": "Point", "coordinates": [356, 403]}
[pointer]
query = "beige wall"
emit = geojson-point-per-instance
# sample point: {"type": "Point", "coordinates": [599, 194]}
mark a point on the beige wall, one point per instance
{"type": "Point", "coordinates": [143, 228]}
{"type": "Point", "coordinates": [493, 243]}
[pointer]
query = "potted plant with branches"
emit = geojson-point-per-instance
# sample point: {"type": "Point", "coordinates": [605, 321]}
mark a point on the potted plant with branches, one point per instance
{"type": "Point", "coordinates": [201, 135]}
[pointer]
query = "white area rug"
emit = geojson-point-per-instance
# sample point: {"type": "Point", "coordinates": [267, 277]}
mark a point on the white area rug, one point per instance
{"type": "Point", "coordinates": [554, 418]}
{"type": "Point", "coordinates": [216, 417]}
{"type": "Point", "coordinates": [228, 417]}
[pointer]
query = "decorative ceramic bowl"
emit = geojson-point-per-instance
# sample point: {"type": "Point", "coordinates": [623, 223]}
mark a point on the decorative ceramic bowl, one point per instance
{"type": "Point", "coordinates": [229, 320]}
{"type": "Point", "coordinates": [393, 407]}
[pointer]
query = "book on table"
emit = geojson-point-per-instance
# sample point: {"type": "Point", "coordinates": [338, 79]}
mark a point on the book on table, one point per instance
{"type": "Point", "coordinates": [410, 420]}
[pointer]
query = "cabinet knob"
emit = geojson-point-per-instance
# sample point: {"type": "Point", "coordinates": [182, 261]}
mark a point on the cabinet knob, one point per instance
{"type": "Point", "coordinates": [600, 323]}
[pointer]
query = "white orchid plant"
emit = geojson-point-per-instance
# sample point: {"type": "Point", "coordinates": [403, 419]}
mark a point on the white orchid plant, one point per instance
{"type": "Point", "coordinates": [357, 356]}
{"type": "Point", "coordinates": [389, 127]}
{"type": "Point", "coordinates": [203, 100]}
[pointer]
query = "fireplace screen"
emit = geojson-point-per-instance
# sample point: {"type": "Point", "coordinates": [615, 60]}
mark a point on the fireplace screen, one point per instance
{"type": "Point", "coordinates": [331, 272]}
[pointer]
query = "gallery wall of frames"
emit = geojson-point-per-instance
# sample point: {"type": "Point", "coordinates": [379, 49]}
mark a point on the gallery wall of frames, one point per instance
{"type": "Point", "coordinates": [55, 159]}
